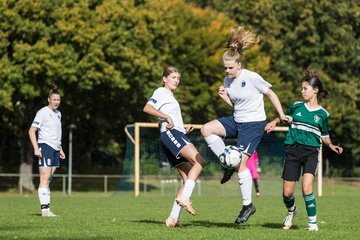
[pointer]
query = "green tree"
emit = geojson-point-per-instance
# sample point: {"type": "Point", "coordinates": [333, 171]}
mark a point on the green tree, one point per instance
{"type": "Point", "coordinates": [107, 57]}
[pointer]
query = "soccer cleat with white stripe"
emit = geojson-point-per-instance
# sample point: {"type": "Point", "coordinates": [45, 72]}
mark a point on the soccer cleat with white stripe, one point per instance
{"type": "Point", "coordinates": [47, 213]}
{"type": "Point", "coordinates": [288, 219]}
{"type": "Point", "coordinates": [312, 227]}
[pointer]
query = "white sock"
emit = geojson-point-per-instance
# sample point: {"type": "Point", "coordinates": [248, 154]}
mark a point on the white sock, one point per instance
{"type": "Point", "coordinates": [245, 182]}
{"type": "Point", "coordinates": [175, 211]}
{"type": "Point", "coordinates": [43, 195]}
{"type": "Point", "coordinates": [312, 219]}
{"type": "Point", "coordinates": [48, 197]}
{"type": "Point", "coordinates": [188, 188]}
{"type": "Point", "coordinates": [215, 143]}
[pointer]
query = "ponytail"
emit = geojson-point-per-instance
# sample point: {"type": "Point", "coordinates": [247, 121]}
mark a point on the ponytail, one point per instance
{"type": "Point", "coordinates": [314, 80]}
{"type": "Point", "coordinates": [54, 90]}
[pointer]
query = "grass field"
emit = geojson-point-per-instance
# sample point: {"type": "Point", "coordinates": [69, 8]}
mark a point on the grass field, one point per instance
{"type": "Point", "coordinates": [120, 215]}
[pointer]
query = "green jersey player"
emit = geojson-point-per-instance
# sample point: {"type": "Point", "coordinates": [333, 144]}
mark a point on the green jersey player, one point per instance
{"type": "Point", "coordinates": [309, 127]}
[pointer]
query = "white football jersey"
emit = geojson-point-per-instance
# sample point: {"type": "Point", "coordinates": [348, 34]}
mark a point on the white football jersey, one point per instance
{"type": "Point", "coordinates": [246, 94]}
{"type": "Point", "coordinates": [163, 100]}
{"type": "Point", "coordinates": [48, 123]}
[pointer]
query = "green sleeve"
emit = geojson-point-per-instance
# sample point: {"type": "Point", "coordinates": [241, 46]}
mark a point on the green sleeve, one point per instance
{"type": "Point", "coordinates": [290, 110]}
{"type": "Point", "coordinates": [324, 127]}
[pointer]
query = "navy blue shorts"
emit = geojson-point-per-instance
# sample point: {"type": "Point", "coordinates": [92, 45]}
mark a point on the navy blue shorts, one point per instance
{"type": "Point", "coordinates": [172, 142]}
{"type": "Point", "coordinates": [248, 134]}
{"type": "Point", "coordinates": [299, 157]}
{"type": "Point", "coordinates": [50, 157]}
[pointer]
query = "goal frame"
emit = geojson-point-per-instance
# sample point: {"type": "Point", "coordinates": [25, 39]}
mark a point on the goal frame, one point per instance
{"type": "Point", "coordinates": [136, 141]}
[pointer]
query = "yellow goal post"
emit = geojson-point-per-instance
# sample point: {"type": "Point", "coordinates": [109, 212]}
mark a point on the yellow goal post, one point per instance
{"type": "Point", "coordinates": [136, 141]}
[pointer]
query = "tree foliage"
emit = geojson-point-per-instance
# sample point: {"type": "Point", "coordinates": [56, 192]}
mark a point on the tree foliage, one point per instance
{"type": "Point", "coordinates": [107, 57]}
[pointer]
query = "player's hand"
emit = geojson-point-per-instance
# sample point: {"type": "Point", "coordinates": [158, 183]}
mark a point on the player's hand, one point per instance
{"type": "Point", "coordinates": [37, 153]}
{"type": "Point", "coordinates": [170, 122]}
{"type": "Point", "coordinates": [189, 128]}
{"type": "Point", "coordinates": [62, 154]}
{"type": "Point", "coordinates": [286, 118]}
{"type": "Point", "coordinates": [336, 149]}
{"type": "Point", "coordinates": [222, 92]}
{"type": "Point", "coordinates": [271, 125]}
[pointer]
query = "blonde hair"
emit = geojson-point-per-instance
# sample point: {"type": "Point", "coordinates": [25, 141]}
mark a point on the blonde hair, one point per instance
{"type": "Point", "coordinates": [239, 40]}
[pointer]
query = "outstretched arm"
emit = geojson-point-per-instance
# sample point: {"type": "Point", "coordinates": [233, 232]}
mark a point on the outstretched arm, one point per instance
{"type": "Point", "coordinates": [335, 148]}
{"type": "Point", "coordinates": [271, 125]}
{"type": "Point", "coordinates": [276, 103]}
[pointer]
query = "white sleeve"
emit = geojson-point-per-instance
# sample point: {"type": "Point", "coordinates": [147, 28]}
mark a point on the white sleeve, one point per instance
{"type": "Point", "coordinates": [39, 118]}
{"type": "Point", "coordinates": [157, 99]}
{"type": "Point", "coordinates": [260, 84]}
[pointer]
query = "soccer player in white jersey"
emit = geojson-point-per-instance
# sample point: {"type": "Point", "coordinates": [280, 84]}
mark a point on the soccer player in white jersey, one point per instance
{"type": "Point", "coordinates": [179, 150]}
{"type": "Point", "coordinates": [47, 147]}
{"type": "Point", "coordinates": [309, 127]}
{"type": "Point", "coordinates": [242, 90]}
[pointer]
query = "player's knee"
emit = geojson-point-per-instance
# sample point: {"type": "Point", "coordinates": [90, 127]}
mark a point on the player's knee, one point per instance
{"type": "Point", "coordinates": [307, 190]}
{"type": "Point", "coordinates": [204, 130]}
{"type": "Point", "coordinates": [287, 194]}
{"type": "Point", "coordinates": [200, 159]}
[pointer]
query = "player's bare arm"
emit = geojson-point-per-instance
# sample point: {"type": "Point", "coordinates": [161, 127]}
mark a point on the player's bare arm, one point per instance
{"type": "Point", "coordinates": [335, 148]}
{"type": "Point", "coordinates": [276, 103]}
{"type": "Point", "coordinates": [151, 110]}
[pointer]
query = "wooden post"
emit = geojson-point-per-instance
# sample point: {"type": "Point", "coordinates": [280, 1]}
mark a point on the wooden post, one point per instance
{"type": "Point", "coordinates": [137, 160]}
{"type": "Point", "coordinates": [320, 173]}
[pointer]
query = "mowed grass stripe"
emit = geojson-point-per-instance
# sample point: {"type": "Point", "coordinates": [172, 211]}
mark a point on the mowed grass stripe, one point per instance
{"type": "Point", "coordinates": [122, 216]}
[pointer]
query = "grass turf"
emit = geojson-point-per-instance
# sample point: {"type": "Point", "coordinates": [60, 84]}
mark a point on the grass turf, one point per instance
{"type": "Point", "coordinates": [119, 215]}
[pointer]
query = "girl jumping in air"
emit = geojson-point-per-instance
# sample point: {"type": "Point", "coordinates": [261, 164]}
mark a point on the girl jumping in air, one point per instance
{"type": "Point", "coordinates": [243, 90]}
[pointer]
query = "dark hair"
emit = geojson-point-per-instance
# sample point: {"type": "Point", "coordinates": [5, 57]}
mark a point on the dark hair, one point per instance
{"type": "Point", "coordinates": [314, 80]}
{"type": "Point", "coordinates": [169, 70]}
{"type": "Point", "coordinates": [54, 90]}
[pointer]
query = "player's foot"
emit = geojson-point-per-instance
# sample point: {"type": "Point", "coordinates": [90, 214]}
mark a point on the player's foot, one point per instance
{"type": "Point", "coordinates": [312, 227]}
{"type": "Point", "coordinates": [47, 213]}
{"type": "Point", "coordinates": [227, 175]}
{"type": "Point", "coordinates": [287, 223]}
{"type": "Point", "coordinates": [172, 222]}
{"type": "Point", "coordinates": [186, 203]}
{"type": "Point", "coordinates": [258, 195]}
{"type": "Point", "coordinates": [245, 213]}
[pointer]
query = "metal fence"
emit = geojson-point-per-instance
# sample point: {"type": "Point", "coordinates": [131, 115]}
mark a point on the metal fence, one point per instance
{"type": "Point", "coordinates": [163, 185]}
{"type": "Point", "coordinates": [64, 178]}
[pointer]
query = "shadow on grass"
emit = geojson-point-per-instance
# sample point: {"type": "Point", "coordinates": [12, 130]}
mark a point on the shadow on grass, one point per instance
{"type": "Point", "coordinates": [200, 224]}
{"type": "Point", "coordinates": [35, 214]}
{"type": "Point", "coordinates": [276, 226]}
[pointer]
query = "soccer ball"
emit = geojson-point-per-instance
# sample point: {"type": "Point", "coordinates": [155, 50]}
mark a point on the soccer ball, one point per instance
{"type": "Point", "coordinates": [230, 157]}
